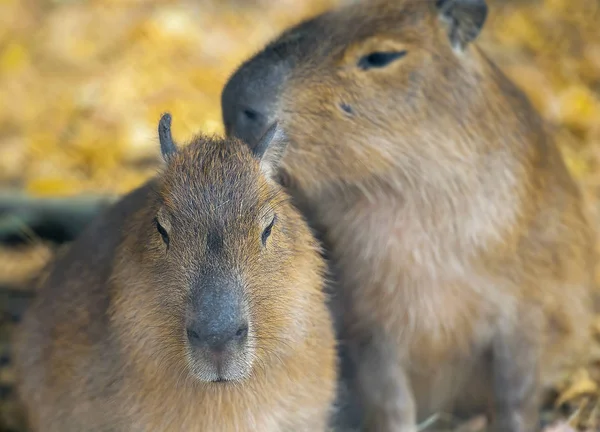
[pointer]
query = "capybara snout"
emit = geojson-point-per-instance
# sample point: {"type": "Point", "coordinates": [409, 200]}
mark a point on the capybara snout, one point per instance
{"type": "Point", "coordinates": [217, 326]}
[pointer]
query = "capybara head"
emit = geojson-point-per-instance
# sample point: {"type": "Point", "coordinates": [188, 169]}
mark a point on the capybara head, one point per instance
{"type": "Point", "coordinates": [368, 87]}
{"type": "Point", "coordinates": [226, 265]}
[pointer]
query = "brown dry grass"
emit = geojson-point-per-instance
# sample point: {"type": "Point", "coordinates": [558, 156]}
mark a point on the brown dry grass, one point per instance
{"type": "Point", "coordinates": [82, 83]}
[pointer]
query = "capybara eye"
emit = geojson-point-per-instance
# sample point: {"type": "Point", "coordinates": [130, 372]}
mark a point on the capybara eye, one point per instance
{"type": "Point", "coordinates": [267, 232]}
{"type": "Point", "coordinates": [162, 231]}
{"type": "Point", "coordinates": [379, 59]}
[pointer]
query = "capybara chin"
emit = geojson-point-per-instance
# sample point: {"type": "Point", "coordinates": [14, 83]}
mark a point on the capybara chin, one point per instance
{"type": "Point", "coordinates": [195, 303]}
{"type": "Point", "coordinates": [462, 257]}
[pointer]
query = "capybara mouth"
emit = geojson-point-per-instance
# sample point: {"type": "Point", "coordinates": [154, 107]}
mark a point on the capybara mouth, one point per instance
{"type": "Point", "coordinates": [222, 368]}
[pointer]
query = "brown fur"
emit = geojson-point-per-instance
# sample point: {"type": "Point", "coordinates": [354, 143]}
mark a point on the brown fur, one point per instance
{"type": "Point", "coordinates": [103, 347]}
{"type": "Point", "coordinates": [463, 259]}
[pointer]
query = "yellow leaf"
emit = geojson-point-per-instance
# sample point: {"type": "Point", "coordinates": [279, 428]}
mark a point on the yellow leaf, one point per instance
{"type": "Point", "coordinates": [520, 29]}
{"type": "Point", "coordinates": [14, 58]}
{"type": "Point", "coordinates": [579, 108]}
{"type": "Point", "coordinates": [581, 384]}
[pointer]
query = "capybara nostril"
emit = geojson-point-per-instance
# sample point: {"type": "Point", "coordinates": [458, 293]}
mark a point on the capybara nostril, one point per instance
{"type": "Point", "coordinates": [242, 332]}
{"type": "Point", "coordinates": [217, 340]}
{"type": "Point", "coordinates": [250, 117]}
{"type": "Point", "coordinates": [250, 114]}
{"type": "Point", "coordinates": [193, 336]}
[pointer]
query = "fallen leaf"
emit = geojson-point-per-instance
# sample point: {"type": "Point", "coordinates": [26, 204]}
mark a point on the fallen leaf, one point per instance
{"type": "Point", "coordinates": [580, 384]}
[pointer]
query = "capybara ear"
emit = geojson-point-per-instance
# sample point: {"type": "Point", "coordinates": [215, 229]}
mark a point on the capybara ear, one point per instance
{"type": "Point", "coordinates": [168, 148]}
{"type": "Point", "coordinates": [270, 149]}
{"type": "Point", "coordinates": [465, 19]}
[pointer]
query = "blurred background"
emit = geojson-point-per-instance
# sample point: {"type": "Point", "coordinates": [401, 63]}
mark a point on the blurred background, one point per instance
{"type": "Point", "coordinates": [83, 83]}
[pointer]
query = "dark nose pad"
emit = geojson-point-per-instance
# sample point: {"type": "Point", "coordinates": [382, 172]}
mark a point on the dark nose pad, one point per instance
{"type": "Point", "coordinates": [217, 316]}
{"type": "Point", "coordinates": [217, 338]}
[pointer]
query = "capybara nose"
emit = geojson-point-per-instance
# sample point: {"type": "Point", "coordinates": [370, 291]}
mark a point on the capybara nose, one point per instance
{"type": "Point", "coordinates": [217, 337]}
{"type": "Point", "coordinates": [218, 316]}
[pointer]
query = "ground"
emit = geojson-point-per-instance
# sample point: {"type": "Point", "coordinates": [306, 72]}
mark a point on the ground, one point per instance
{"type": "Point", "coordinates": [83, 82]}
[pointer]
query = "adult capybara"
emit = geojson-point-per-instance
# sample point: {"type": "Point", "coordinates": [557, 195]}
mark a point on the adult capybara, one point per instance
{"type": "Point", "coordinates": [462, 257]}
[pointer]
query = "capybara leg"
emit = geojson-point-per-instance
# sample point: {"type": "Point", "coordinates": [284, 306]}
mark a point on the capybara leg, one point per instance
{"type": "Point", "coordinates": [383, 388]}
{"type": "Point", "coordinates": [515, 357]}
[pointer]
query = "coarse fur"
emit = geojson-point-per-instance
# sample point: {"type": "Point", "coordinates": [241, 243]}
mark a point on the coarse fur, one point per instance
{"type": "Point", "coordinates": [104, 346]}
{"type": "Point", "coordinates": [462, 255]}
